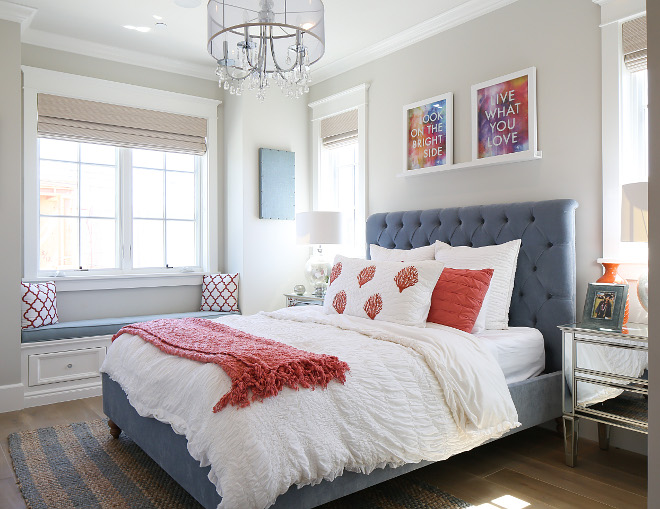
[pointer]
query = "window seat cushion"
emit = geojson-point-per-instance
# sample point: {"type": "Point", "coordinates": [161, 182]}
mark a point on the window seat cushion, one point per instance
{"type": "Point", "coordinates": [101, 326]}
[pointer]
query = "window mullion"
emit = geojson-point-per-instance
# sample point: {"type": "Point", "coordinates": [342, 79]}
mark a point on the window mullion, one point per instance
{"type": "Point", "coordinates": [165, 211]}
{"type": "Point", "coordinates": [79, 205]}
{"type": "Point", "coordinates": [126, 207]}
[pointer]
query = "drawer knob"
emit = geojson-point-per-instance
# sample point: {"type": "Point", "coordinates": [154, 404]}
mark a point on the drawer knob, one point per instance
{"type": "Point", "coordinates": [69, 366]}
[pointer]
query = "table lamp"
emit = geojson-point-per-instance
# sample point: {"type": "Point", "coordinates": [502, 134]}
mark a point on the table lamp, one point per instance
{"type": "Point", "coordinates": [634, 227]}
{"type": "Point", "coordinates": [318, 228]}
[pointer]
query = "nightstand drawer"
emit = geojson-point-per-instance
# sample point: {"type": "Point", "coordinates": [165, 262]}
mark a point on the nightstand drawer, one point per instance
{"type": "Point", "coordinates": [48, 368]}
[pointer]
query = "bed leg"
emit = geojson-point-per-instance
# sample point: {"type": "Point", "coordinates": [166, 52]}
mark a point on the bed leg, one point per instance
{"type": "Point", "coordinates": [114, 429]}
{"type": "Point", "coordinates": [570, 439]}
{"type": "Point", "coordinates": [603, 436]}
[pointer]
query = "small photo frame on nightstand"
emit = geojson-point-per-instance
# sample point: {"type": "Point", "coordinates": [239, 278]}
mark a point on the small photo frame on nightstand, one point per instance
{"type": "Point", "coordinates": [605, 305]}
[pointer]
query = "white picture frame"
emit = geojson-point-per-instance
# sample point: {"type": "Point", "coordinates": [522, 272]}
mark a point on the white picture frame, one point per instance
{"type": "Point", "coordinates": [421, 137]}
{"type": "Point", "coordinates": [498, 124]}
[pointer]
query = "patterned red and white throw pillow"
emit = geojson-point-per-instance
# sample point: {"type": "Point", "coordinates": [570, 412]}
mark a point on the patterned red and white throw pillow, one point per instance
{"type": "Point", "coordinates": [220, 292]}
{"type": "Point", "coordinates": [38, 305]}
{"type": "Point", "coordinates": [390, 291]}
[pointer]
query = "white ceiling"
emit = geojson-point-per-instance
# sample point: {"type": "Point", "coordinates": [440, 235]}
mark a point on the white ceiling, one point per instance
{"type": "Point", "coordinates": [355, 29]}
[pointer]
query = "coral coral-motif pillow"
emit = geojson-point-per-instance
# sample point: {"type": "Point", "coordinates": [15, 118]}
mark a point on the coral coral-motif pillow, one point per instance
{"type": "Point", "coordinates": [458, 296]}
{"type": "Point", "coordinates": [38, 305]}
{"type": "Point", "coordinates": [220, 292]}
{"type": "Point", "coordinates": [389, 291]}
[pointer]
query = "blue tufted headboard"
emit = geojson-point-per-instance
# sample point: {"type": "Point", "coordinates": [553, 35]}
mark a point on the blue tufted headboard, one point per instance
{"type": "Point", "coordinates": [544, 289]}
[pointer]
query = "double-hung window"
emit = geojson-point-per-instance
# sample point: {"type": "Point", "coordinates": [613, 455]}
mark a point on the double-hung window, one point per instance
{"type": "Point", "coordinates": [106, 208]}
{"type": "Point", "coordinates": [339, 148]}
{"type": "Point", "coordinates": [339, 175]}
{"type": "Point", "coordinates": [113, 189]}
{"type": "Point", "coordinates": [625, 133]}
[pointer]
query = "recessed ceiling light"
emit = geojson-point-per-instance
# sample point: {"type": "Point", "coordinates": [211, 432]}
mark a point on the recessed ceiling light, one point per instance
{"type": "Point", "coordinates": [188, 4]}
{"type": "Point", "coordinates": [160, 26]}
{"type": "Point", "coordinates": [144, 30]}
{"type": "Point", "coordinates": [157, 17]}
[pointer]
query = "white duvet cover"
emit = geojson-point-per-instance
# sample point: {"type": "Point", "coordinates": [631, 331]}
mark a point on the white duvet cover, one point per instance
{"type": "Point", "coordinates": [412, 394]}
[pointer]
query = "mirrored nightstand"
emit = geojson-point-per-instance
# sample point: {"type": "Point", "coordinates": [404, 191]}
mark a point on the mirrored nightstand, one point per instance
{"type": "Point", "coordinates": [602, 384]}
{"type": "Point", "coordinates": [293, 299]}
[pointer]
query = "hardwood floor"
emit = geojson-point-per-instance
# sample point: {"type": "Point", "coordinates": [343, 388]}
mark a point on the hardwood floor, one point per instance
{"type": "Point", "coordinates": [528, 466]}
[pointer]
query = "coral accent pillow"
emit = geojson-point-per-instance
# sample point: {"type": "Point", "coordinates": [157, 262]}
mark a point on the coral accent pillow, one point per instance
{"type": "Point", "coordinates": [503, 259]}
{"type": "Point", "coordinates": [38, 305]}
{"type": "Point", "coordinates": [418, 254]}
{"type": "Point", "coordinates": [458, 297]}
{"type": "Point", "coordinates": [389, 291]}
{"type": "Point", "coordinates": [220, 292]}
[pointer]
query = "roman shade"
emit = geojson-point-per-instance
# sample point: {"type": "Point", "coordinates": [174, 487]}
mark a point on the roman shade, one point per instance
{"type": "Point", "coordinates": [634, 44]}
{"type": "Point", "coordinates": [65, 118]}
{"type": "Point", "coordinates": [339, 128]}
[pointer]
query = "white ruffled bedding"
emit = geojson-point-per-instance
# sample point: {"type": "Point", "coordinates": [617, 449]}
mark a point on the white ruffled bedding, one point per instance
{"type": "Point", "coordinates": [412, 394]}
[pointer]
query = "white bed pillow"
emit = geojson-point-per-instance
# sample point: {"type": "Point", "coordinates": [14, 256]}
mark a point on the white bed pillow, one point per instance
{"type": "Point", "coordinates": [388, 291]}
{"type": "Point", "coordinates": [480, 322]}
{"type": "Point", "coordinates": [418, 254]}
{"type": "Point", "coordinates": [503, 258]}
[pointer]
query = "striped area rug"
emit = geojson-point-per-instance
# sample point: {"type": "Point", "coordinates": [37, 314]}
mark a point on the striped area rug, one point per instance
{"type": "Point", "coordinates": [81, 466]}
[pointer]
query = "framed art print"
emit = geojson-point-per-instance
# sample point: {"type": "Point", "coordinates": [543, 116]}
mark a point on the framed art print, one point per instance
{"type": "Point", "coordinates": [604, 306]}
{"type": "Point", "coordinates": [428, 133]}
{"type": "Point", "coordinates": [504, 117]}
{"type": "Point", "coordinates": [277, 184]}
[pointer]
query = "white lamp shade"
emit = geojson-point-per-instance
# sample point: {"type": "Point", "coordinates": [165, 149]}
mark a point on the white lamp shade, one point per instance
{"type": "Point", "coordinates": [319, 227]}
{"type": "Point", "coordinates": [635, 212]}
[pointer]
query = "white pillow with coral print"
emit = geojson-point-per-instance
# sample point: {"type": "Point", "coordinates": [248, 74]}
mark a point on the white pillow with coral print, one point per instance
{"type": "Point", "coordinates": [388, 291]}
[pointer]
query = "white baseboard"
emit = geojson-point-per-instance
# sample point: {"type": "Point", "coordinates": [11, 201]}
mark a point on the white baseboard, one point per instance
{"type": "Point", "coordinates": [57, 395]}
{"type": "Point", "coordinates": [11, 397]}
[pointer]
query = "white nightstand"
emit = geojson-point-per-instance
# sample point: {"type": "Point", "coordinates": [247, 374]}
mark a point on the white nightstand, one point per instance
{"type": "Point", "coordinates": [302, 300]}
{"type": "Point", "coordinates": [629, 410]}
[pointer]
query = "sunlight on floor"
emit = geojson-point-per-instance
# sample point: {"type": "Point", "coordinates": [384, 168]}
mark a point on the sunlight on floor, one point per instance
{"type": "Point", "coordinates": [504, 502]}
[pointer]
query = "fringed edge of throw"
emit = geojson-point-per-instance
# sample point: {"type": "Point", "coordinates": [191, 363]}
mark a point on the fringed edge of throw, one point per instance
{"type": "Point", "coordinates": [260, 383]}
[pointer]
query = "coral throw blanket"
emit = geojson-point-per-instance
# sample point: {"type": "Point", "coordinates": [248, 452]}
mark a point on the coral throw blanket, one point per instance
{"type": "Point", "coordinates": [258, 367]}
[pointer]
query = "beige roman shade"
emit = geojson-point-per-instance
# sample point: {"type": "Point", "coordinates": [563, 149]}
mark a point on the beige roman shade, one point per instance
{"type": "Point", "coordinates": [65, 118]}
{"type": "Point", "coordinates": [339, 128]}
{"type": "Point", "coordinates": [634, 44]}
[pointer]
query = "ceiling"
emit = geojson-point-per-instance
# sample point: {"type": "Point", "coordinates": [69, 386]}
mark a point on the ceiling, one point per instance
{"type": "Point", "coordinates": [355, 29]}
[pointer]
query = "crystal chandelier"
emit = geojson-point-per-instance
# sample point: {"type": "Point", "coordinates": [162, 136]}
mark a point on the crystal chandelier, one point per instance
{"type": "Point", "coordinates": [257, 42]}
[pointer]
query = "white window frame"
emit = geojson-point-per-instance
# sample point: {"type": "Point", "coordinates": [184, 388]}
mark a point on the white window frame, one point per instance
{"type": "Point", "coordinates": [355, 98]}
{"type": "Point", "coordinates": [37, 81]}
{"type": "Point", "coordinates": [613, 14]}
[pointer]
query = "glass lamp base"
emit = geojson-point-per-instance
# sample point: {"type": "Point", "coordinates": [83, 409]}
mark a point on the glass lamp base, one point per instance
{"type": "Point", "coordinates": [317, 270]}
{"type": "Point", "coordinates": [643, 290]}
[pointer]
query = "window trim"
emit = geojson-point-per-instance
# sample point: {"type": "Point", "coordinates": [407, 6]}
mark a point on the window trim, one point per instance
{"type": "Point", "coordinates": [351, 99]}
{"type": "Point", "coordinates": [36, 81]}
{"type": "Point", "coordinates": [613, 14]}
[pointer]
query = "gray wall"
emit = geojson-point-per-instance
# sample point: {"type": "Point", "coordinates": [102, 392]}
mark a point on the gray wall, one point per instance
{"type": "Point", "coordinates": [10, 197]}
{"type": "Point", "coordinates": [131, 302]}
{"type": "Point", "coordinates": [264, 251]}
{"type": "Point", "coordinates": [653, 19]}
{"type": "Point", "coordinates": [562, 39]}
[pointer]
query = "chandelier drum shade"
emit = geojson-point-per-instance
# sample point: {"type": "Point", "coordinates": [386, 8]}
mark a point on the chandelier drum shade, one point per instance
{"type": "Point", "coordinates": [259, 42]}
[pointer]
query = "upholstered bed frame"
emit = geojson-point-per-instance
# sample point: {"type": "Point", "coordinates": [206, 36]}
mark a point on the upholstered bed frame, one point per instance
{"type": "Point", "coordinates": [543, 297]}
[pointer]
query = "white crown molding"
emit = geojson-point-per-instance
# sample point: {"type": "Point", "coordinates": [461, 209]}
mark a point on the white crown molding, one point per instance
{"type": "Point", "coordinates": [125, 56]}
{"type": "Point", "coordinates": [22, 14]}
{"type": "Point", "coordinates": [458, 15]}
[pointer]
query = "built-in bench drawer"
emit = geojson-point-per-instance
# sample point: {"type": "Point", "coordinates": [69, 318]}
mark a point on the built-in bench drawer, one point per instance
{"type": "Point", "coordinates": [48, 368]}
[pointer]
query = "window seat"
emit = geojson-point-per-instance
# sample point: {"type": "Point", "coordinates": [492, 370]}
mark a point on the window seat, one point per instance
{"type": "Point", "coordinates": [101, 326]}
